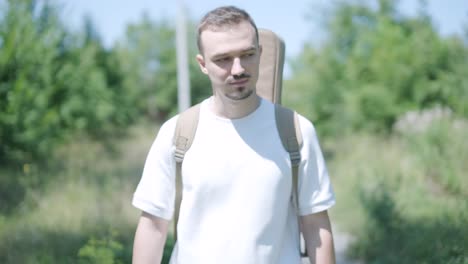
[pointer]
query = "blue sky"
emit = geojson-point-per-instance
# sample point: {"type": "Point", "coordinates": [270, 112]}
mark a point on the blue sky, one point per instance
{"type": "Point", "coordinates": [286, 18]}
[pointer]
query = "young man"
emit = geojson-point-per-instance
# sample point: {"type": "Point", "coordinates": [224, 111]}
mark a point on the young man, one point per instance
{"type": "Point", "coordinates": [237, 182]}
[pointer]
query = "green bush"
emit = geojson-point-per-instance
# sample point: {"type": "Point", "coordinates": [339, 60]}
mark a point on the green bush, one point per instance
{"type": "Point", "coordinates": [90, 195]}
{"type": "Point", "coordinates": [388, 237]}
{"type": "Point", "coordinates": [101, 251]}
{"type": "Point", "coordinates": [442, 152]}
{"type": "Point", "coordinates": [403, 197]}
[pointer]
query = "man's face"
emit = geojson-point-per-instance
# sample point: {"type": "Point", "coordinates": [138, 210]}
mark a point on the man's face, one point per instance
{"type": "Point", "coordinates": [231, 58]}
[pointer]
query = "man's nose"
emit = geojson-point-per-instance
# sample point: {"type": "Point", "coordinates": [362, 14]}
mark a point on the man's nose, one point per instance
{"type": "Point", "coordinates": [237, 68]}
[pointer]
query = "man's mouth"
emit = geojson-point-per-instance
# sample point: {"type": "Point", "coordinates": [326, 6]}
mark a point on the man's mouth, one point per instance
{"type": "Point", "coordinates": [239, 82]}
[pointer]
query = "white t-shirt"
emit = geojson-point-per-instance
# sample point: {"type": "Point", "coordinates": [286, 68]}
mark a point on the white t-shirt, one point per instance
{"type": "Point", "coordinates": [237, 188]}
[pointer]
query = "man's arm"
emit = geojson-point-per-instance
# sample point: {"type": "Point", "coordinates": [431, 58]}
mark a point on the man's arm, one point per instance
{"type": "Point", "coordinates": [150, 238]}
{"type": "Point", "coordinates": [318, 238]}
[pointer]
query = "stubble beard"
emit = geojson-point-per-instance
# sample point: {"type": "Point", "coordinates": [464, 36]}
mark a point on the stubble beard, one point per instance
{"type": "Point", "coordinates": [241, 93]}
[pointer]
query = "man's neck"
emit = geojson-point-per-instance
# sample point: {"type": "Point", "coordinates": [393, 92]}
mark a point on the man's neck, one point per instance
{"type": "Point", "coordinates": [234, 109]}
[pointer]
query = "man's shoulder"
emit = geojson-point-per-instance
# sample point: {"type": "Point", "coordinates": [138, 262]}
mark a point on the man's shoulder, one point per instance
{"type": "Point", "coordinates": [167, 128]}
{"type": "Point", "coordinates": [305, 122]}
{"type": "Point", "coordinates": [172, 122]}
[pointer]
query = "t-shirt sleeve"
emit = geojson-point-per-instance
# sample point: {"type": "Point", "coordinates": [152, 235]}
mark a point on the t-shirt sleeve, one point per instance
{"type": "Point", "coordinates": [315, 189]}
{"type": "Point", "coordinates": [155, 192]}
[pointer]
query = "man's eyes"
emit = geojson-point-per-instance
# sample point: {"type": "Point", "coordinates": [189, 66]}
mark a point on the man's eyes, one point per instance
{"type": "Point", "coordinates": [223, 59]}
{"type": "Point", "coordinates": [227, 59]}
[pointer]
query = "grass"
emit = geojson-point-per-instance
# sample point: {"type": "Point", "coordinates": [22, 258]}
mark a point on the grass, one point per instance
{"type": "Point", "coordinates": [87, 200]}
{"type": "Point", "coordinates": [403, 198]}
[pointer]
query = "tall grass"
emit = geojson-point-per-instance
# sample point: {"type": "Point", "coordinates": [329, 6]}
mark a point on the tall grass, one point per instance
{"type": "Point", "coordinates": [84, 213]}
{"type": "Point", "coordinates": [405, 197]}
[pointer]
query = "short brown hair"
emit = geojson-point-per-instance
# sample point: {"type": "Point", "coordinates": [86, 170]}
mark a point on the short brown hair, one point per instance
{"type": "Point", "coordinates": [221, 17]}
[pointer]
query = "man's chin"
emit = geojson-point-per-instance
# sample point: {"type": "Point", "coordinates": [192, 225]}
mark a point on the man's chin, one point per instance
{"type": "Point", "coordinates": [241, 95]}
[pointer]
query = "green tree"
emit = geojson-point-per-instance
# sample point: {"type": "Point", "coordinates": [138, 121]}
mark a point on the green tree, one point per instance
{"type": "Point", "coordinates": [149, 62]}
{"type": "Point", "coordinates": [122, 96]}
{"type": "Point", "coordinates": [53, 84]}
{"type": "Point", "coordinates": [375, 65]}
{"type": "Point", "coordinates": [29, 49]}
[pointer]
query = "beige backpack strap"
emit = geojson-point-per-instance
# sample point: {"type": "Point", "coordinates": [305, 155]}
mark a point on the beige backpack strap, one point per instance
{"type": "Point", "coordinates": [288, 128]}
{"type": "Point", "coordinates": [287, 123]}
{"type": "Point", "coordinates": [183, 137]}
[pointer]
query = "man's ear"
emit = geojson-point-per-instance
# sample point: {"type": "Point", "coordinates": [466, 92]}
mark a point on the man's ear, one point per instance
{"type": "Point", "coordinates": [201, 63]}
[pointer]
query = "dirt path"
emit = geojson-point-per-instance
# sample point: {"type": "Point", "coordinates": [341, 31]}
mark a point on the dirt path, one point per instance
{"type": "Point", "coordinates": [342, 241]}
